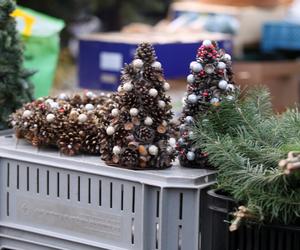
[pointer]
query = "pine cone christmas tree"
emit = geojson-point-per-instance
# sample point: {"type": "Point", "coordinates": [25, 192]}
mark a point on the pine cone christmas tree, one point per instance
{"type": "Point", "coordinates": [137, 122]}
{"type": "Point", "coordinates": [209, 83]}
{"type": "Point", "coordinates": [70, 123]}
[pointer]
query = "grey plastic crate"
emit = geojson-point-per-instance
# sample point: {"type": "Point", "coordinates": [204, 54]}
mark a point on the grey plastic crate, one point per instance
{"type": "Point", "coordinates": [49, 201]}
{"type": "Point", "coordinates": [6, 132]}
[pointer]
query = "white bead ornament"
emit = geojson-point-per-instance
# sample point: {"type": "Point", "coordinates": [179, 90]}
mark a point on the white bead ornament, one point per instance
{"type": "Point", "coordinates": [82, 118]}
{"type": "Point", "coordinates": [190, 79]}
{"type": "Point", "coordinates": [62, 96]}
{"type": "Point", "coordinates": [164, 123]}
{"type": "Point", "coordinates": [227, 57]}
{"type": "Point", "coordinates": [137, 63]}
{"type": "Point", "coordinates": [156, 65]}
{"type": "Point", "coordinates": [115, 112]}
{"type": "Point", "coordinates": [133, 112]}
{"type": "Point", "coordinates": [153, 92]}
{"type": "Point", "coordinates": [161, 104]}
{"type": "Point", "coordinates": [120, 89]}
{"type": "Point", "coordinates": [189, 120]}
{"type": "Point", "coordinates": [89, 106]}
{"type": "Point", "coordinates": [190, 156]}
{"type": "Point", "coordinates": [207, 43]}
{"type": "Point", "coordinates": [90, 94]}
{"type": "Point", "coordinates": [223, 84]}
{"type": "Point", "coordinates": [50, 117]}
{"type": "Point", "coordinates": [230, 87]}
{"type": "Point", "coordinates": [117, 150]}
{"type": "Point", "coordinates": [110, 130]}
{"type": "Point", "coordinates": [48, 101]}
{"type": "Point", "coordinates": [153, 150]}
{"type": "Point", "coordinates": [196, 67]}
{"type": "Point", "coordinates": [166, 86]}
{"type": "Point", "coordinates": [26, 114]}
{"type": "Point", "coordinates": [221, 65]}
{"type": "Point", "coordinates": [192, 98]}
{"type": "Point", "coordinates": [127, 86]}
{"type": "Point", "coordinates": [214, 100]}
{"type": "Point", "coordinates": [148, 121]}
{"type": "Point", "coordinates": [54, 105]}
{"type": "Point", "coordinates": [172, 142]}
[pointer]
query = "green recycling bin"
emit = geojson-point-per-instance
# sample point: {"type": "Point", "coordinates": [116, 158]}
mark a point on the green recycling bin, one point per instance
{"type": "Point", "coordinates": [40, 34]}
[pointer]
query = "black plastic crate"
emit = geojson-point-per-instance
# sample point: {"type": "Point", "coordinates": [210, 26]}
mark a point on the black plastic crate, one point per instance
{"type": "Point", "coordinates": [216, 234]}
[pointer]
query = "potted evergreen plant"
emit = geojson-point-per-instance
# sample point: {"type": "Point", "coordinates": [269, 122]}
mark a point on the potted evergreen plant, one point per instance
{"type": "Point", "coordinates": [257, 156]}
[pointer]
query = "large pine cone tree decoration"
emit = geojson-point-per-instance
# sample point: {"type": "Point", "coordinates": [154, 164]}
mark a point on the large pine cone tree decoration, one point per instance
{"type": "Point", "coordinates": [210, 81]}
{"type": "Point", "coordinates": [137, 123]}
{"type": "Point", "coordinates": [70, 123]}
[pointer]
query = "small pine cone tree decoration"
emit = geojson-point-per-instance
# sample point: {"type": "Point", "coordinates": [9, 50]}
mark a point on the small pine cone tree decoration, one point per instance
{"type": "Point", "coordinates": [137, 122]}
{"type": "Point", "coordinates": [70, 123]}
{"type": "Point", "coordinates": [210, 81]}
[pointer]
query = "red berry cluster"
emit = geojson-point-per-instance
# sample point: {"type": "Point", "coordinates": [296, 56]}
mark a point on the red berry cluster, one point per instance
{"type": "Point", "coordinates": [207, 52]}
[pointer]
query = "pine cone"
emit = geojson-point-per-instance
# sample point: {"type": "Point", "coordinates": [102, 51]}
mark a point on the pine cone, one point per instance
{"type": "Point", "coordinates": [146, 52]}
{"type": "Point", "coordinates": [144, 134]}
{"type": "Point", "coordinates": [129, 158]}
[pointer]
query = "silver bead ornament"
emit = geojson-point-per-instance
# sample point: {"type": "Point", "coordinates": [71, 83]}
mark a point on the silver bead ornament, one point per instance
{"type": "Point", "coordinates": [117, 150]}
{"type": "Point", "coordinates": [48, 101]}
{"type": "Point", "coordinates": [172, 142]}
{"type": "Point", "coordinates": [153, 92]}
{"type": "Point", "coordinates": [133, 111]}
{"type": "Point", "coordinates": [50, 117]}
{"type": "Point", "coordinates": [161, 104]}
{"type": "Point", "coordinates": [89, 94]}
{"type": "Point", "coordinates": [54, 105]}
{"type": "Point", "coordinates": [189, 120]}
{"type": "Point", "coordinates": [110, 130]}
{"type": "Point", "coordinates": [127, 86]}
{"type": "Point", "coordinates": [223, 84]}
{"type": "Point", "coordinates": [26, 113]}
{"type": "Point", "coordinates": [115, 112]}
{"type": "Point", "coordinates": [214, 100]}
{"type": "Point", "coordinates": [192, 98]}
{"type": "Point", "coordinates": [156, 65]}
{"type": "Point", "coordinates": [137, 63]}
{"type": "Point", "coordinates": [207, 43]}
{"type": "Point", "coordinates": [148, 121]}
{"type": "Point", "coordinates": [82, 118]}
{"type": "Point", "coordinates": [227, 57]}
{"type": "Point", "coordinates": [190, 78]}
{"type": "Point", "coordinates": [196, 67]}
{"type": "Point", "coordinates": [153, 150]}
{"type": "Point", "coordinates": [89, 107]}
{"type": "Point", "coordinates": [221, 65]}
{"type": "Point", "coordinates": [62, 96]}
{"type": "Point", "coordinates": [190, 156]}
{"type": "Point", "coordinates": [166, 86]}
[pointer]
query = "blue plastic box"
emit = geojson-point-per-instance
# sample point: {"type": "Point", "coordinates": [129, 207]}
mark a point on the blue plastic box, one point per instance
{"type": "Point", "coordinates": [280, 35]}
{"type": "Point", "coordinates": [101, 59]}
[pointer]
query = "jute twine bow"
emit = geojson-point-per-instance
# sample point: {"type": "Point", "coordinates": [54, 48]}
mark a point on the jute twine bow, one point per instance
{"type": "Point", "coordinates": [292, 163]}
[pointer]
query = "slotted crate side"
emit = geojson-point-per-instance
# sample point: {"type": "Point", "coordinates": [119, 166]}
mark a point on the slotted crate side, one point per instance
{"type": "Point", "coordinates": [93, 207]}
{"type": "Point", "coordinates": [118, 213]}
